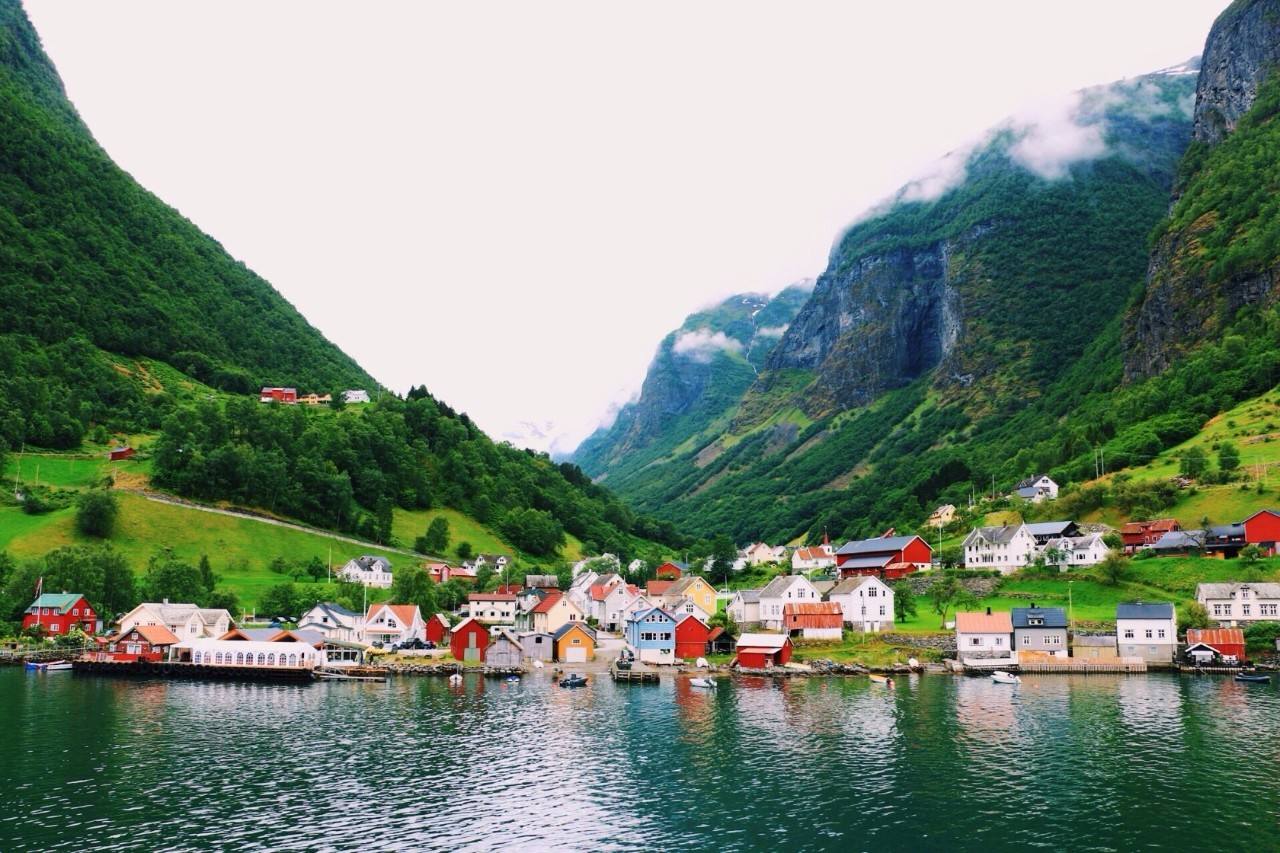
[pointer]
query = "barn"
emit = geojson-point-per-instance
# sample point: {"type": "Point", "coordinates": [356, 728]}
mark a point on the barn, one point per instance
{"type": "Point", "coordinates": [505, 650]}
{"type": "Point", "coordinates": [1206, 644]}
{"type": "Point", "coordinates": [813, 620]}
{"type": "Point", "coordinates": [692, 635]}
{"type": "Point", "coordinates": [670, 571]}
{"type": "Point", "coordinates": [468, 640]}
{"type": "Point", "coordinates": [1263, 529]}
{"type": "Point", "coordinates": [877, 556]}
{"type": "Point", "coordinates": [761, 651]}
{"type": "Point", "coordinates": [437, 629]}
{"type": "Point", "coordinates": [118, 453]}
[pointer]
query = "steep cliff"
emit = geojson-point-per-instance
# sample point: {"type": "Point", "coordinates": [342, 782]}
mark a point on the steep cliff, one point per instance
{"type": "Point", "coordinates": [1218, 250]}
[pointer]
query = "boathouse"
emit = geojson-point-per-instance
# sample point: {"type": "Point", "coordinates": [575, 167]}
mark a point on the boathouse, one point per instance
{"type": "Point", "coordinates": [692, 635]}
{"type": "Point", "coordinates": [143, 642]}
{"type": "Point", "coordinates": [437, 629]}
{"type": "Point", "coordinates": [1209, 645]}
{"type": "Point", "coordinates": [761, 651]}
{"type": "Point", "coordinates": [537, 645]}
{"type": "Point", "coordinates": [505, 650]}
{"type": "Point", "coordinates": [468, 640]}
{"type": "Point", "coordinates": [575, 643]}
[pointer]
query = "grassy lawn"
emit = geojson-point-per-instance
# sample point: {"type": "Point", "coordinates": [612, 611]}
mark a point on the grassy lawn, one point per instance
{"type": "Point", "coordinates": [408, 525]}
{"type": "Point", "coordinates": [865, 649]}
{"type": "Point", "coordinates": [62, 471]}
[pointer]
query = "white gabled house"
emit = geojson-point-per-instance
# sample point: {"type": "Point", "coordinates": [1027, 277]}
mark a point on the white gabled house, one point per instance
{"type": "Point", "coordinates": [744, 607]}
{"type": "Point", "coordinates": [781, 591]}
{"type": "Point", "coordinates": [333, 620]}
{"type": "Point", "coordinates": [1073, 551]}
{"type": "Point", "coordinates": [392, 623]}
{"type": "Point", "coordinates": [817, 557]}
{"type": "Point", "coordinates": [184, 621]}
{"type": "Point", "coordinates": [368, 570]}
{"type": "Point", "coordinates": [1006, 549]}
{"type": "Point", "coordinates": [1036, 489]}
{"type": "Point", "coordinates": [984, 635]}
{"type": "Point", "coordinates": [866, 601]}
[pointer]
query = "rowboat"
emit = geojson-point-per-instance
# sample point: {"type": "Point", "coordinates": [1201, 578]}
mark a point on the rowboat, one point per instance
{"type": "Point", "coordinates": [49, 666]}
{"type": "Point", "coordinates": [708, 683]}
{"type": "Point", "coordinates": [1253, 679]}
{"type": "Point", "coordinates": [574, 680]}
{"type": "Point", "coordinates": [1000, 677]}
{"type": "Point", "coordinates": [881, 679]}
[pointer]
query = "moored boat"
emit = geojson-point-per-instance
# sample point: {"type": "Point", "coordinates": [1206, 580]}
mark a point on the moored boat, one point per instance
{"type": "Point", "coordinates": [1001, 677]}
{"type": "Point", "coordinates": [1253, 678]}
{"type": "Point", "coordinates": [574, 680]}
{"type": "Point", "coordinates": [708, 683]}
{"type": "Point", "coordinates": [49, 666]}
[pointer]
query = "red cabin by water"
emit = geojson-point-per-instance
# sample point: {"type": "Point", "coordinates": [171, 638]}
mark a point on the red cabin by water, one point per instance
{"type": "Point", "coordinates": [692, 635]}
{"type": "Point", "coordinates": [437, 629]}
{"type": "Point", "coordinates": [57, 613]}
{"type": "Point", "coordinates": [761, 651]}
{"type": "Point", "coordinates": [468, 640]}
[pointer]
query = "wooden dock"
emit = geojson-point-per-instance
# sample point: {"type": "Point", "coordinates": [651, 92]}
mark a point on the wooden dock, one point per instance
{"type": "Point", "coordinates": [1071, 667]}
{"type": "Point", "coordinates": [633, 675]}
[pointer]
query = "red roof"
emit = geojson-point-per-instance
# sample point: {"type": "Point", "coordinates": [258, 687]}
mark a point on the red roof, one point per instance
{"type": "Point", "coordinates": [715, 634]}
{"type": "Point", "coordinates": [813, 614]}
{"type": "Point", "coordinates": [489, 596]}
{"type": "Point", "coordinates": [1215, 636]}
{"type": "Point", "coordinates": [509, 589]}
{"type": "Point", "coordinates": [600, 593]}
{"type": "Point", "coordinates": [984, 623]}
{"type": "Point", "coordinates": [156, 635]}
{"type": "Point", "coordinates": [1160, 525]}
{"type": "Point", "coordinates": [545, 605]}
{"type": "Point", "coordinates": [657, 587]}
{"type": "Point", "coordinates": [403, 612]}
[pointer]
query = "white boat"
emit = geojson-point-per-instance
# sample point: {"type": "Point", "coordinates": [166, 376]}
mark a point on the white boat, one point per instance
{"type": "Point", "coordinates": [1000, 677]}
{"type": "Point", "coordinates": [708, 683]}
{"type": "Point", "coordinates": [456, 678]}
{"type": "Point", "coordinates": [49, 666]}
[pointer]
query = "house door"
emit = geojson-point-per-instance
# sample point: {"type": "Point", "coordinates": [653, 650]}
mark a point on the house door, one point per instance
{"type": "Point", "coordinates": [471, 652]}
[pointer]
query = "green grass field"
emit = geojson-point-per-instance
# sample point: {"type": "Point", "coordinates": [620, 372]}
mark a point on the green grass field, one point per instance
{"type": "Point", "coordinates": [63, 471]}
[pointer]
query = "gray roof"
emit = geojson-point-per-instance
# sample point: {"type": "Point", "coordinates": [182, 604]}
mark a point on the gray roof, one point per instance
{"type": "Point", "coordinates": [823, 587]}
{"type": "Point", "coordinates": [1069, 543]}
{"type": "Point", "coordinates": [1227, 531]}
{"type": "Point", "coordinates": [995, 535]}
{"type": "Point", "coordinates": [336, 609]}
{"type": "Point", "coordinates": [1142, 610]}
{"type": "Point", "coordinates": [875, 546]}
{"type": "Point", "coordinates": [1178, 540]}
{"type": "Point", "coordinates": [568, 626]}
{"type": "Point", "coordinates": [849, 585]}
{"type": "Point", "coordinates": [776, 587]}
{"type": "Point", "coordinates": [541, 580]}
{"type": "Point", "coordinates": [1050, 528]}
{"type": "Point", "coordinates": [1030, 481]}
{"type": "Point", "coordinates": [1227, 590]}
{"type": "Point", "coordinates": [368, 563]}
{"type": "Point", "coordinates": [1054, 617]}
{"type": "Point", "coordinates": [878, 562]}
{"type": "Point", "coordinates": [678, 587]}
{"type": "Point", "coordinates": [259, 634]}
{"type": "Point", "coordinates": [1027, 492]}
{"type": "Point", "coordinates": [309, 635]}
{"type": "Point", "coordinates": [749, 596]}
{"type": "Point", "coordinates": [1100, 640]}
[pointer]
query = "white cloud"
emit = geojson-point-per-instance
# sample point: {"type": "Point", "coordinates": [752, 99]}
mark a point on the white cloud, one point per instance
{"type": "Point", "coordinates": [1051, 137]}
{"type": "Point", "coordinates": [701, 345]}
{"type": "Point", "coordinates": [771, 331]}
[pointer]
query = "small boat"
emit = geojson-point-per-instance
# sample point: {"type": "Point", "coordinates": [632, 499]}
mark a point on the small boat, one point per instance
{"type": "Point", "coordinates": [622, 664]}
{"type": "Point", "coordinates": [574, 680]}
{"type": "Point", "coordinates": [881, 679]}
{"type": "Point", "coordinates": [1253, 678]}
{"type": "Point", "coordinates": [49, 666]}
{"type": "Point", "coordinates": [537, 664]}
{"type": "Point", "coordinates": [511, 678]}
{"type": "Point", "coordinates": [1001, 677]}
{"type": "Point", "coordinates": [708, 683]}
{"type": "Point", "coordinates": [456, 678]}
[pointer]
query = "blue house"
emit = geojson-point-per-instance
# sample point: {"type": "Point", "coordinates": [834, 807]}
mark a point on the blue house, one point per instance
{"type": "Point", "coordinates": [651, 635]}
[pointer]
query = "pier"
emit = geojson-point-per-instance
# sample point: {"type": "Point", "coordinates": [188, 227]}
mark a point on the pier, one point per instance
{"type": "Point", "coordinates": [633, 675]}
{"type": "Point", "coordinates": [174, 670]}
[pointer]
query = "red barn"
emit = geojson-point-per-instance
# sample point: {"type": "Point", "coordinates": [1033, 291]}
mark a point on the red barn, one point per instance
{"type": "Point", "coordinates": [143, 642]}
{"type": "Point", "coordinates": [815, 620]}
{"type": "Point", "coordinates": [58, 613]}
{"type": "Point", "coordinates": [437, 629]}
{"type": "Point", "coordinates": [1137, 535]}
{"type": "Point", "coordinates": [875, 556]}
{"type": "Point", "coordinates": [288, 396]}
{"type": "Point", "coordinates": [118, 453]}
{"type": "Point", "coordinates": [670, 571]}
{"type": "Point", "coordinates": [468, 640]}
{"type": "Point", "coordinates": [692, 635]}
{"type": "Point", "coordinates": [1227, 642]}
{"type": "Point", "coordinates": [1263, 529]}
{"type": "Point", "coordinates": [761, 651]}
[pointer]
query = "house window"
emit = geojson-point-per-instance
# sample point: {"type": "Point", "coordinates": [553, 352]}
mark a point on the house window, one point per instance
{"type": "Point", "coordinates": [881, 609]}
{"type": "Point", "coordinates": [1244, 608]}
{"type": "Point", "coordinates": [1217, 610]}
{"type": "Point", "coordinates": [871, 593]}
{"type": "Point", "coordinates": [1160, 633]}
{"type": "Point", "coordinates": [999, 641]}
{"type": "Point", "coordinates": [75, 611]}
{"type": "Point", "coordinates": [1148, 633]}
{"type": "Point", "coordinates": [1128, 633]}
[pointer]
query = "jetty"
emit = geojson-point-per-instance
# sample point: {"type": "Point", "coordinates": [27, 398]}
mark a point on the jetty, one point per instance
{"type": "Point", "coordinates": [205, 672]}
{"type": "Point", "coordinates": [634, 675]}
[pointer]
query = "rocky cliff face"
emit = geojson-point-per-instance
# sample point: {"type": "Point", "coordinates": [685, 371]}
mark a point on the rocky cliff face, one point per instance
{"type": "Point", "coordinates": [1187, 297]}
{"type": "Point", "coordinates": [1243, 48]}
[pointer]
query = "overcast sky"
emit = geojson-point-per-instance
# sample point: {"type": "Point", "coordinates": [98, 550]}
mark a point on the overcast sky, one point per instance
{"type": "Point", "coordinates": [512, 202]}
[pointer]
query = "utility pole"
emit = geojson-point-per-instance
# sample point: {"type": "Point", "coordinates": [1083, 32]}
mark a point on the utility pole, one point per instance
{"type": "Point", "coordinates": [1071, 612]}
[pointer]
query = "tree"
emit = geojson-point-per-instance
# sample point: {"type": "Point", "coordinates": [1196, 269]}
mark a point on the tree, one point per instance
{"type": "Point", "coordinates": [96, 512]}
{"type": "Point", "coordinates": [951, 558]}
{"type": "Point", "coordinates": [484, 575]}
{"type": "Point", "coordinates": [337, 400]}
{"type": "Point", "coordinates": [948, 594]}
{"type": "Point", "coordinates": [414, 586]}
{"type": "Point", "coordinates": [450, 594]}
{"type": "Point", "coordinates": [904, 601]}
{"type": "Point", "coordinates": [383, 520]}
{"type": "Point", "coordinates": [533, 530]}
{"type": "Point", "coordinates": [1250, 554]}
{"type": "Point", "coordinates": [316, 569]}
{"type": "Point", "coordinates": [1114, 541]}
{"type": "Point", "coordinates": [224, 599]}
{"type": "Point", "coordinates": [168, 577]}
{"type": "Point", "coordinates": [464, 551]}
{"type": "Point", "coordinates": [207, 578]}
{"type": "Point", "coordinates": [723, 555]}
{"type": "Point", "coordinates": [99, 572]}
{"type": "Point", "coordinates": [1196, 616]}
{"type": "Point", "coordinates": [437, 537]}
{"type": "Point", "coordinates": [1113, 569]}
{"type": "Point", "coordinates": [1228, 458]}
{"type": "Point", "coordinates": [1193, 463]}
{"type": "Point", "coordinates": [281, 600]}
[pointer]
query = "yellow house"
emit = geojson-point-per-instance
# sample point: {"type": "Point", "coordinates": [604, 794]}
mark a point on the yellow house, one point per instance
{"type": "Point", "coordinates": [575, 643]}
{"type": "Point", "coordinates": [553, 612]}
{"type": "Point", "coordinates": [696, 590]}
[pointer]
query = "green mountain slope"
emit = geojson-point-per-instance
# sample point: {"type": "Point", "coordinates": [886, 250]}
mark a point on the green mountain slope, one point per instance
{"type": "Point", "coordinates": [93, 268]}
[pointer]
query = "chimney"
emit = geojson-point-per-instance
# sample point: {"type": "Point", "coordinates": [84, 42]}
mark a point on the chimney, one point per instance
{"type": "Point", "coordinates": [988, 611]}
{"type": "Point", "coordinates": [165, 601]}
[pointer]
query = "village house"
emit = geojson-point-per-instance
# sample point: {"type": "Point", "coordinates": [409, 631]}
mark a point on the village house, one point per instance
{"type": "Point", "coordinates": [1006, 549]}
{"type": "Point", "coordinates": [635, 605]}
{"type": "Point", "coordinates": [1036, 489]}
{"type": "Point", "coordinates": [942, 516]}
{"type": "Point", "coordinates": [1206, 646]}
{"type": "Point", "coordinates": [333, 620]}
{"type": "Point", "coordinates": [671, 571]}
{"type": "Point", "coordinates": [781, 591]}
{"type": "Point", "coordinates": [537, 645]}
{"type": "Point", "coordinates": [443, 572]}
{"type": "Point", "coordinates": [492, 608]}
{"type": "Point", "coordinates": [468, 641]}
{"type": "Point", "coordinates": [58, 613]}
{"type": "Point", "coordinates": [744, 607]}
{"type": "Point", "coordinates": [866, 603]}
{"type": "Point", "coordinates": [813, 620]}
{"type": "Point", "coordinates": [614, 604]}
{"type": "Point", "coordinates": [1226, 540]}
{"type": "Point", "coordinates": [886, 557]}
{"type": "Point", "coordinates": [437, 629]}
{"type": "Point", "coordinates": [143, 642]}
{"type": "Point", "coordinates": [314, 399]}
{"type": "Point", "coordinates": [355, 395]}
{"type": "Point", "coordinates": [761, 553]}
{"type": "Point", "coordinates": [505, 650]}
{"type": "Point", "coordinates": [1094, 647]}
{"type": "Point", "coordinates": [1040, 629]}
{"type": "Point", "coordinates": [287, 396]}
{"type": "Point", "coordinates": [1263, 529]}
{"type": "Point", "coordinates": [367, 570]}
{"type": "Point", "coordinates": [761, 651]}
{"type": "Point", "coordinates": [692, 635]}
{"type": "Point", "coordinates": [1137, 535]}
{"type": "Point", "coordinates": [392, 624]}
{"type": "Point", "coordinates": [119, 454]}
{"type": "Point", "coordinates": [984, 635]}
{"type": "Point", "coordinates": [1147, 630]}
{"type": "Point", "coordinates": [651, 635]}
{"type": "Point", "coordinates": [495, 562]}
{"type": "Point", "coordinates": [1234, 604]}
{"type": "Point", "coordinates": [579, 591]}
{"type": "Point", "coordinates": [575, 642]}
{"type": "Point", "coordinates": [721, 642]}
{"type": "Point", "coordinates": [541, 582]}
{"type": "Point", "coordinates": [551, 613]}
{"type": "Point", "coordinates": [1044, 531]}
{"type": "Point", "coordinates": [814, 557]}
{"type": "Point", "coordinates": [185, 620]}
{"type": "Point", "coordinates": [1070, 552]}
{"type": "Point", "coordinates": [1177, 543]}
{"type": "Point", "coordinates": [693, 590]}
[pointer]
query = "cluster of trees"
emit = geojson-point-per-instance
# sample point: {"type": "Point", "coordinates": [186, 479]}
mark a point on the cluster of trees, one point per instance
{"type": "Point", "coordinates": [1194, 463]}
{"type": "Point", "coordinates": [348, 471]}
{"type": "Point", "coordinates": [98, 572]}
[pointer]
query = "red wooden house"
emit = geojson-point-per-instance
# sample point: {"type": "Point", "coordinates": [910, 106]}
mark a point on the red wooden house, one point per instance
{"type": "Point", "coordinates": [669, 571]}
{"type": "Point", "coordinates": [692, 635]}
{"type": "Point", "coordinates": [885, 557]}
{"type": "Point", "coordinates": [468, 640]}
{"type": "Point", "coordinates": [288, 396]}
{"type": "Point", "coordinates": [1226, 642]}
{"type": "Point", "coordinates": [143, 642]}
{"type": "Point", "coordinates": [761, 651]}
{"type": "Point", "coordinates": [1263, 529]}
{"type": "Point", "coordinates": [1137, 535]}
{"type": "Point", "coordinates": [118, 453]}
{"type": "Point", "coordinates": [437, 629]}
{"type": "Point", "coordinates": [58, 613]}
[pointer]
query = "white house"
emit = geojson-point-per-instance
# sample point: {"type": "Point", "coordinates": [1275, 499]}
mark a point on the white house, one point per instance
{"type": "Point", "coordinates": [332, 620]}
{"type": "Point", "coordinates": [984, 635]}
{"type": "Point", "coordinates": [367, 570]}
{"type": "Point", "coordinates": [636, 604]}
{"type": "Point", "coordinates": [186, 621]}
{"type": "Point", "coordinates": [779, 592]}
{"type": "Point", "coordinates": [760, 553]}
{"type": "Point", "coordinates": [612, 610]}
{"type": "Point", "coordinates": [355, 395]}
{"type": "Point", "coordinates": [866, 601]}
{"type": "Point", "coordinates": [1006, 549]}
{"type": "Point", "coordinates": [1147, 630]}
{"type": "Point", "coordinates": [744, 607]}
{"type": "Point", "coordinates": [816, 557]}
{"type": "Point", "coordinates": [1074, 551]}
{"type": "Point", "coordinates": [1232, 605]}
{"type": "Point", "coordinates": [392, 623]}
{"type": "Point", "coordinates": [942, 516]}
{"type": "Point", "coordinates": [495, 562]}
{"type": "Point", "coordinates": [492, 608]}
{"type": "Point", "coordinates": [1036, 489]}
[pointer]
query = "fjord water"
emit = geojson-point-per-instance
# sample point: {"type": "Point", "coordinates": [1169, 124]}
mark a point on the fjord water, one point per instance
{"type": "Point", "coordinates": [937, 763]}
